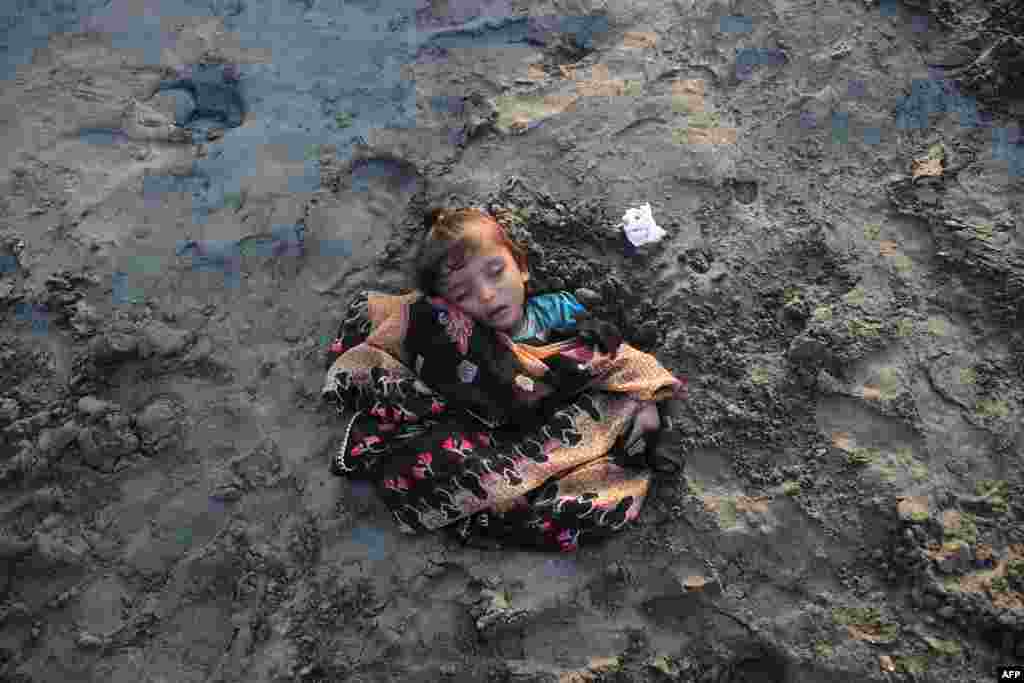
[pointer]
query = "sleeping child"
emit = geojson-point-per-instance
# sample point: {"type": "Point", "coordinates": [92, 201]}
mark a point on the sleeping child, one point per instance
{"type": "Point", "coordinates": [507, 419]}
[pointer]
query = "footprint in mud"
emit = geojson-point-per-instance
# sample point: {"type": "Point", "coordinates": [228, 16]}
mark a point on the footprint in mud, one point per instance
{"type": "Point", "coordinates": [200, 103]}
{"type": "Point", "coordinates": [357, 225]}
{"type": "Point", "coordinates": [745, 192]}
{"type": "Point", "coordinates": [383, 169]}
{"type": "Point", "coordinates": [207, 96]}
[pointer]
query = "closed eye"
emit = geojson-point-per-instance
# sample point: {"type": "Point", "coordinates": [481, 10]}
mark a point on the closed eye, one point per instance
{"type": "Point", "coordinates": [496, 272]}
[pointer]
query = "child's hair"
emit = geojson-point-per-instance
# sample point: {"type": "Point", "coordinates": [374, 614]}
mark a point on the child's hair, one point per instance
{"type": "Point", "coordinates": [447, 238]}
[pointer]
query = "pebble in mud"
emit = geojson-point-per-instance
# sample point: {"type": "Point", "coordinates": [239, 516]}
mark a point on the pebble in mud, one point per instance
{"type": "Point", "coordinates": [114, 346]}
{"type": "Point", "coordinates": [9, 410]}
{"type": "Point", "coordinates": [157, 424]}
{"type": "Point", "coordinates": [55, 440]}
{"type": "Point", "coordinates": [88, 641]}
{"type": "Point", "coordinates": [92, 406]}
{"type": "Point", "coordinates": [587, 296]}
{"type": "Point", "coordinates": [165, 340]}
{"type": "Point", "coordinates": [102, 447]}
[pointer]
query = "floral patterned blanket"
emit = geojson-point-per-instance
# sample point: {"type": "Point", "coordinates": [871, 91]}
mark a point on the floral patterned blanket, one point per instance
{"type": "Point", "coordinates": [501, 443]}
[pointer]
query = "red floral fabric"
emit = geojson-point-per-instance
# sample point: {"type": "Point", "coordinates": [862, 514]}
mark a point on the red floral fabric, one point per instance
{"type": "Point", "coordinates": [468, 450]}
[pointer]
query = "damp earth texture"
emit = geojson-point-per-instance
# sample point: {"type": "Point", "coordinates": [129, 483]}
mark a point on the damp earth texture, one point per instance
{"type": "Point", "coordinates": [191, 192]}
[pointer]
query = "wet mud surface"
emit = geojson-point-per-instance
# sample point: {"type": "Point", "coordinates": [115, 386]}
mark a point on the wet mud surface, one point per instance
{"type": "Point", "coordinates": [840, 283]}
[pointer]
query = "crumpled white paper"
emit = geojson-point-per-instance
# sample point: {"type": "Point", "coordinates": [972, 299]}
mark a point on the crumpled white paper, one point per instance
{"type": "Point", "coordinates": [640, 227]}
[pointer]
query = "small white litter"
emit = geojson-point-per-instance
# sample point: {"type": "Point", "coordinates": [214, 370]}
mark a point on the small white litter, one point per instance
{"type": "Point", "coordinates": [640, 227]}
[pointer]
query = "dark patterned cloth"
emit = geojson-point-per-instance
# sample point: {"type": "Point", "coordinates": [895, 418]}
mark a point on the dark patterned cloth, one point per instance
{"type": "Point", "coordinates": [499, 443]}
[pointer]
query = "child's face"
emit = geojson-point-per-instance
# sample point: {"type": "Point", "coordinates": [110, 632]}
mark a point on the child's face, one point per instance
{"type": "Point", "coordinates": [490, 286]}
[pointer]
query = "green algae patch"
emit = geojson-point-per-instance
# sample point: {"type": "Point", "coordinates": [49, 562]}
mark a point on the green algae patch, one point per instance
{"type": "Point", "coordinates": [663, 664]}
{"type": "Point", "coordinates": [862, 457]}
{"type": "Point", "coordinates": [343, 119]}
{"type": "Point", "coordinates": [1015, 570]}
{"type": "Point", "coordinates": [518, 110]}
{"type": "Point", "coordinates": [792, 296]}
{"type": "Point", "coordinates": [888, 473]}
{"type": "Point", "coordinates": [872, 231]}
{"type": "Point", "coordinates": [866, 623]}
{"type": "Point", "coordinates": [858, 327]}
{"type": "Point", "coordinates": [727, 508]}
{"type": "Point", "coordinates": [992, 408]}
{"type": "Point", "coordinates": [683, 104]}
{"type": "Point", "coordinates": [913, 508]}
{"type": "Point", "coordinates": [911, 664]}
{"type": "Point", "coordinates": [823, 649]}
{"type": "Point", "coordinates": [680, 136]}
{"type": "Point", "coordinates": [918, 516]}
{"type": "Point", "coordinates": [968, 376]}
{"type": "Point", "coordinates": [936, 152]}
{"type": "Point", "coordinates": [727, 513]}
{"type": "Point", "coordinates": [791, 488]}
{"type": "Point", "coordinates": [945, 648]}
{"type": "Point", "coordinates": [889, 383]}
{"type": "Point", "coordinates": [703, 120]}
{"type": "Point", "coordinates": [823, 313]}
{"type": "Point", "coordinates": [918, 472]}
{"type": "Point", "coordinates": [509, 106]}
{"type": "Point", "coordinates": [902, 263]}
{"type": "Point", "coordinates": [937, 327]}
{"type": "Point", "coordinates": [760, 376]}
{"type": "Point", "coordinates": [500, 599]}
{"type": "Point", "coordinates": [959, 526]}
{"type": "Point", "coordinates": [856, 296]}
{"type": "Point", "coordinates": [996, 492]}
{"type": "Point", "coordinates": [904, 328]}
{"type": "Point", "coordinates": [904, 455]}
{"type": "Point", "coordinates": [516, 217]}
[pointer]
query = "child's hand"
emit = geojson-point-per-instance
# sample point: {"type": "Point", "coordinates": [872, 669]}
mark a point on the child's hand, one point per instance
{"type": "Point", "coordinates": [601, 333]}
{"type": "Point", "coordinates": [567, 378]}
